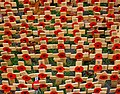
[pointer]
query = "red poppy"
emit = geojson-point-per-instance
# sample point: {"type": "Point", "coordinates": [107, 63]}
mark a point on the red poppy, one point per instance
{"type": "Point", "coordinates": [111, 15]}
{"type": "Point", "coordinates": [11, 76]}
{"type": "Point", "coordinates": [24, 40]}
{"type": "Point", "coordinates": [60, 75]}
{"type": "Point", "coordinates": [116, 67]}
{"type": "Point", "coordinates": [93, 1]}
{"type": "Point", "coordinates": [26, 77]}
{"type": "Point", "coordinates": [103, 77]}
{"type": "Point", "coordinates": [93, 40]}
{"type": "Point", "coordinates": [75, 31]}
{"type": "Point", "coordinates": [21, 68]}
{"type": "Point", "coordinates": [6, 3]}
{"type": "Point", "coordinates": [78, 79]}
{"type": "Point", "coordinates": [75, 93]}
{"type": "Point", "coordinates": [75, 23]}
{"type": "Point", "coordinates": [97, 90]}
{"type": "Point", "coordinates": [43, 47]}
{"type": "Point", "coordinates": [61, 46]}
{"type": "Point", "coordinates": [8, 10]}
{"type": "Point", "coordinates": [26, 9]}
{"type": "Point", "coordinates": [116, 46]}
{"type": "Point", "coordinates": [60, 1]}
{"type": "Point", "coordinates": [69, 86]}
{"type": "Point", "coordinates": [44, 56]}
{"type": "Point", "coordinates": [92, 24]}
{"type": "Point", "coordinates": [3, 68]}
{"type": "Point", "coordinates": [41, 24]}
{"type": "Point", "coordinates": [23, 31]}
{"type": "Point", "coordinates": [63, 9]}
{"type": "Point", "coordinates": [48, 17]}
{"type": "Point", "coordinates": [79, 56]}
{"type": "Point", "coordinates": [42, 66]}
{"type": "Point", "coordinates": [80, 9]}
{"type": "Point", "coordinates": [22, 86]}
{"type": "Point", "coordinates": [6, 88]}
{"type": "Point", "coordinates": [31, 17]}
{"type": "Point", "coordinates": [40, 31]}
{"type": "Point", "coordinates": [53, 92]}
{"type": "Point", "coordinates": [43, 1]}
{"type": "Point", "coordinates": [25, 25]}
{"type": "Point", "coordinates": [33, 85]}
{"type": "Point", "coordinates": [26, 56]}
{"type": "Point", "coordinates": [95, 32]}
{"type": "Point", "coordinates": [63, 18]}
{"type": "Point", "coordinates": [61, 38]}
{"type": "Point", "coordinates": [114, 77]}
{"type": "Point", "coordinates": [79, 69]}
{"type": "Point", "coordinates": [7, 41]}
{"type": "Point", "coordinates": [42, 75]}
{"type": "Point", "coordinates": [57, 31]}
{"type": "Point", "coordinates": [97, 68]}
{"type": "Point", "coordinates": [57, 23]}
{"type": "Point", "coordinates": [76, 39]}
{"type": "Point", "coordinates": [8, 24]}
{"type": "Point", "coordinates": [109, 24]}
{"type": "Point", "coordinates": [43, 85]}
{"type": "Point", "coordinates": [60, 69]}
{"type": "Point", "coordinates": [62, 55]}
{"type": "Point", "coordinates": [114, 37]}
{"type": "Point", "coordinates": [25, 48]}
{"type": "Point", "coordinates": [80, 18]}
{"type": "Point", "coordinates": [117, 91]}
{"type": "Point", "coordinates": [26, 2]}
{"type": "Point", "coordinates": [46, 8]}
{"type": "Point", "coordinates": [7, 32]}
{"type": "Point", "coordinates": [79, 47]}
{"type": "Point", "coordinates": [89, 85]}
{"type": "Point", "coordinates": [116, 57]}
{"type": "Point", "coordinates": [25, 92]}
{"type": "Point", "coordinates": [98, 45]}
{"type": "Point", "coordinates": [111, 0]}
{"type": "Point", "coordinates": [97, 18]}
{"type": "Point", "coordinates": [79, 1]}
{"type": "Point", "coordinates": [111, 31]}
{"type": "Point", "coordinates": [6, 57]}
{"type": "Point", "coordinates": [44, 38]}
{"type": "Point", "coordinates": [98, 56]}
{"type": "Point", "coordinates": [12, 18]}
{"type": "Point", "coordinates": [7, 49]}
{"type": "Point", "coordinates": [96, 9]}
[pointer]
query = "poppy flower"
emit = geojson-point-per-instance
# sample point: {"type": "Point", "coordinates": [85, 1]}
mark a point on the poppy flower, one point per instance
{"type": "Point", "coordinates": [33, 85]}
{"type": "Point", "coordinates": [97, 68]}
{"type": "Point", "coordinates": [116, 67]}
{"type": "Point", "coordinates": [12, 18]}
{"type": "Point", "coordinates": [53, 92]}
{"type": "Point", "coordinates": [24, 40]}
{"type": "Point", "coordinates": [57, 23]}
{"type": "Point", "coordinates": [25, 48]}
{"type": "Point", "coordinates": [95, 32]}
{"type": "Point", "coordinates": [11, 76]}
{"type": "Point", "coordinates": [111, 1]}
{"type": "Point", "coordinates": [92, 24]}
{"type": "Point", "coordinates": [96, 9]}
{"type": "Point", "coordinates": [93, 40]}
{"type": "Point", "coordinates": [7, 32]}
{"type": "Point", "coordinates": [44, 38]}
{"type": "Point", "coordinates": [25, 25]}
{"type": "Point", "coordinates": [57, 31]}
{"type": "Point", "coordinates": [117, 91]}
{"type": "Point", "coordinates": [63, 18]}
{"type": "Point", "coordinates": [63, 9]}
{"type": "Point", "coordinates": [8, 24]}
{"type": "Point", "coordinates": [98, 45]}
{"type": "Point", "coordinates": [111, 15]}
{"type": "Point", "coordinates": [111, 31]}
{"type": "Point", "coordinates": [98, 56]}
{"type": "Point", "coordinates": [23, 31]}
{"type": "Point", "coordinates": [78, 79]}
{"type": "Point", "coordinates": [69, 86]}
{"type": "Point", "coordinates": [89, 85]}
{"type": "Point", "coordinates": [26, 2]}
{"type": "Point", "coordinates": [60, 69]}
{"type": "Point", "coordinates": [6, 3]}
{"type": "Point", "coordinates": [25, 92]}
{"type": "Point", "coordinates": [75, 23]}
{"type": "Point", "coordinates": [43, 47]}
{"type": "Point", "coordinates": [26, 77]}
{"type": "Point", "coordinates": [60, 1]}
{"type": "Point", "coordinates": [6, 57]}
{"type": "Point", "coordinates": [79, 1]}
{"type": "Point", "coordinates": [93, 1]}
{"type": "Point", "coordinates": [109, 24]}
{"type": "Point", "coordinates": [7, 41]}
{"type": "Point", "coordinates": [80, 18]}
{"type": "Point", "coordinates": [79, 56]}
{"type": "Point", "coordinates": [114, 37]}
{"type": "Point", "coordinates": [26, 9]}
{"type": "Point", "coordinates": [41, 24]}
{"type": "Point", "coordinates": [61, 46]}
{"type": "Point", "coordinates": [116, 46]}
{"type": "Point", "coordinates": [97, 90]}
{"type": "Point", "coordinates": [79, 47]}
{"type": "Point", "coordinates": [42, 66]}
{"type": "Point", "coordinates": [21, 68]}
{"type": "Point", "coordinates": [80, 9]}
{"type": "Point", "coordinates": [44, 56]}
{"type": "Point", "coordinates": [42, 75]}
{"type": "Point", "coordinates": [75, 93]}
{"type": "Point", "coordinates": [62, 55]}
{"type": "Point", "coordinates": [60, 75]}
{"type": "Point", "coordinates": [26, 56]}
{"type": "Point", "coordinates": [103, 77]}
{"type": "Point", "coordinates": [116, 57]}
{"type": "Point", "coordinates": [3, 68]}
{"type": "Point", "coordinates": [48, 17]}
{"type": "Point", "coordinates": [46, 8]}
{"type": "Point", "coordinates": [43, 85]}
{"type": "Point", "coordinates": [114, 77]}
{"type": "Point", "coordinates": [22, 86]}
{"type": "Point", "coordinates": [8, 10]}
{"type": "Point", "coordinates": [79, 69]}
{"type": "Point", "coordinates": [7, 49]}
{"type": "Point", "coordinates": [97, 18]}
{"type": "Point", "coordinates": [61, 38]}
{"type": "Point", "coordinates": [43, 1]}
{"type": "Point", "coordinates": [6, 88]}
{"type": "Point", "coordinates": [31, 17]}
{"type": "Point", "coordinates": [76, 39]}
{"type": "Point", "coordinates": [40, 31]}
